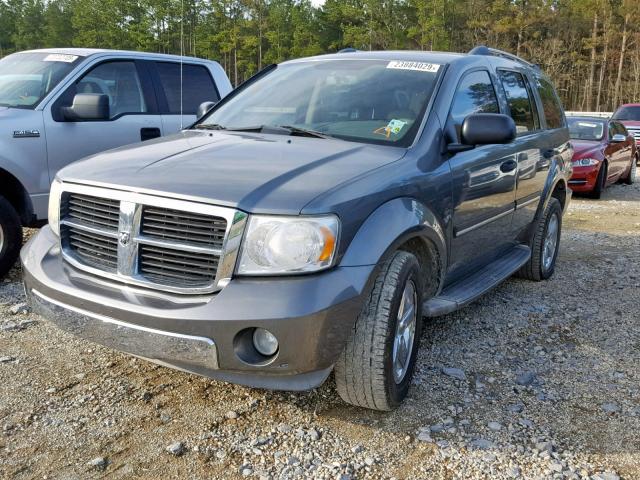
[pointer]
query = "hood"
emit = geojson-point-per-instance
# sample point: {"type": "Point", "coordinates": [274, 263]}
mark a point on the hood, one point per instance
{"type": "Point", "coordinates": [258, 173]}
{"type": "Point", "coordinates": [585, 148]}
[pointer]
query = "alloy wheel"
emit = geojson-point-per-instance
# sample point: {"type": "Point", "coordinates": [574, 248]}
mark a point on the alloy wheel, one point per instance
{"type": "Point", "coordinates": [550, 242]}
{"type": "Point", "coordinates": [405, 332]}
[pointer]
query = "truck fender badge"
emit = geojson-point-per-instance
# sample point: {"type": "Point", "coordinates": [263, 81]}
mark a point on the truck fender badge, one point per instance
{"type": "Point", "coordinates": [26, 133]}
{"type": "Point", "coordinates": [124, 238]}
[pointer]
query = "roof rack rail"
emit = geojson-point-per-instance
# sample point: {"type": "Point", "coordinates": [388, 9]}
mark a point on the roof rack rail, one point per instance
{"type": "Point", "coordinates": [348, 50]}
{"type": "Point", "coordinates": [484, 50]}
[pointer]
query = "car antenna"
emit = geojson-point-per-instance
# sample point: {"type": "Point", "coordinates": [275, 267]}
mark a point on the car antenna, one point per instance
{"type": "Point", "coordinates": [181, 61]}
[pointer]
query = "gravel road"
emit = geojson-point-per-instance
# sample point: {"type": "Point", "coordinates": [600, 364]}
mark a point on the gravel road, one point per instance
{"type": "Point", "coordinates": [535, 380]}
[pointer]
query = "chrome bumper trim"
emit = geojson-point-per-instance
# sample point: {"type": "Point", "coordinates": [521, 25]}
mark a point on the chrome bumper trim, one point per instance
{"type": "Point", "coordinates": [159, 346]}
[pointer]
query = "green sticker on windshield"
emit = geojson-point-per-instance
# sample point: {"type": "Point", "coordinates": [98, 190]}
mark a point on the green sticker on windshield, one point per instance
{"type": "Point", "coordinates": [393, 127]}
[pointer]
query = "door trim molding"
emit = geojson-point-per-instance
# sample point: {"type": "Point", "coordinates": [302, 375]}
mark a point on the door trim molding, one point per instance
{"type": "Point", "coordinates": [459, 233]}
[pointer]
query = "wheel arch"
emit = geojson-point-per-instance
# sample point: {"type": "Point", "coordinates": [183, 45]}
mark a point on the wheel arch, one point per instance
{"type": "Point", "coordinates": [401, 224]}
{"type": "Point", "coordinates": [15, 193]}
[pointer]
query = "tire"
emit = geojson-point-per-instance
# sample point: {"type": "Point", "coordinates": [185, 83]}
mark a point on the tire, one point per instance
{"type": "Point", "coordinates": [601, 182]}
{"type": "Point", "coordinates": [536, 268]}
{"type": "Point", "coordinates": [10, 236]}
{"type": "Point", "coordinates": [631, 176]}
{"type": "Point", "coordinates": [364, 373]}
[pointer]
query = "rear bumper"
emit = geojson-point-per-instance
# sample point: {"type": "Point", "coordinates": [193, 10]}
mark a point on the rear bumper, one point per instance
{"type": "Point", "coordinates": [584, 178]}
{"type": "Point", "coordinates": [311, 316]}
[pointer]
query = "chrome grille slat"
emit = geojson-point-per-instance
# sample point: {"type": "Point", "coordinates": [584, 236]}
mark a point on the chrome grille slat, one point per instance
{"type": "Point", "coordinates": [189, 228]}
{"type": "Point", "coordinates": [134, 238]}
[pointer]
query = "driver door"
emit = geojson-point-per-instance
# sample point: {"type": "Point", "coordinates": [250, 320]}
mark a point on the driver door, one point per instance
{"type": "Point", "coordinates": [484, 180]}
{"type": "Point", "coordinates": [133, 114]}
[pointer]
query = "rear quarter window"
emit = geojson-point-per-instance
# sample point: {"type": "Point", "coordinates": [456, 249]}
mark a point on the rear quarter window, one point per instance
{"type": "Point", "coordinates": [197, 87]}
{"type": "Point", "coordinates": [553, 112]}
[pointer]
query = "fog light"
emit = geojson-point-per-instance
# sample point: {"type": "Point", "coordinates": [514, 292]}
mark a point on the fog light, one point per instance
{"type": "Point", "coordinates": [265, 342]}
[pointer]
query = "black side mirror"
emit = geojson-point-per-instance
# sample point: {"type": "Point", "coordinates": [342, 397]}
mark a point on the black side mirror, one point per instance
{"type": "Point", "coordinates": [204, 108]}
{"type": "Point", "coordinates": [484, 129]}
{"type": "Point", "coordinates": [87, 106]}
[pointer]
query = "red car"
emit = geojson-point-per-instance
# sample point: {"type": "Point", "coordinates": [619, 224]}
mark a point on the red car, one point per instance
{"type": "Point", "coordinates": [604, 153]}
{"type": "Point", "coordinates": [629, 115]}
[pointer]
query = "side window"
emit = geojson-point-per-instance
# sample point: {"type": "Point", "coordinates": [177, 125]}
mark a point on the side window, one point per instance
{"type": "Point", "coordinates": [612, 130]}
{"type": "Point", "coordinates": [519, 100]}
{"type": "Point", "coordinates": [620, 129]}
{"type": "Point", "coordinates": [120, 82]}
{"type": "Point", "coordinates": [551, 105]}
{"type": "Point", "coordinates": [475, 94]}
{"type": "Point", "coordinates": [197, 87]}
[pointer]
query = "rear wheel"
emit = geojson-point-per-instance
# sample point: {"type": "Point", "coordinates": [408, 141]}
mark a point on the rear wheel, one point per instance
{"type": "Point", "coordinates": [631, 177]}
{"type": "Point", "coordinates": [375, 369]}
{"type": "Point", "coordinates": [544, 244]}
{"type": "Point", "coordinates": [10, 236]}
{"type": "Point", "coordinates": [601, 181]}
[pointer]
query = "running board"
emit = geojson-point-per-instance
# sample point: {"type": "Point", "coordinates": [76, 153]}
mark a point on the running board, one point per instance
{"type": "Point", "coordinates": [468, 289]}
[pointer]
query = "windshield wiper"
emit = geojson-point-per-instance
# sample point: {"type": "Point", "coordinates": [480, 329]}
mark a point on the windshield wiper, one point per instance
{"type": "Point", "coordinates": [210, 126]}
{"type": "Point", "coordinates": [280, 129]}
{"type": "Point", "coordinates": [304, 131]}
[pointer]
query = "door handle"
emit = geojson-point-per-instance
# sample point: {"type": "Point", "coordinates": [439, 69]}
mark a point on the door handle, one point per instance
{"type": "Point", "coordinates": [149, 133]}
{"type": "Point", "coordinates": [508, 166]}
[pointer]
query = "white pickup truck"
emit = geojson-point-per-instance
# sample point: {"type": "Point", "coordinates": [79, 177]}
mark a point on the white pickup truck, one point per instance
{"type": "Point", "coordinates": [60, 105]}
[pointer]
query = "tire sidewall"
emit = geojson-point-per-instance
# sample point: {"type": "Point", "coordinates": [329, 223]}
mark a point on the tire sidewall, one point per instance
{"type": "Point", "coordinates": [12, 230]}
{"type": "Point", "coordinates": [554, 207]}
{"type": "Point", "coordinates": [396, 392]}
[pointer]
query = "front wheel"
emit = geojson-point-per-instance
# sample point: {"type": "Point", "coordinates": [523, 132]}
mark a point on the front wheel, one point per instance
{"type": "Point", "coordinates": [375, 369]}
{"type": "Point", "coordinates": [10, 236]}
{"type": "Point", "coordinates": [631, 177]}
{"type": "Point", "coordinates": [544, 244]}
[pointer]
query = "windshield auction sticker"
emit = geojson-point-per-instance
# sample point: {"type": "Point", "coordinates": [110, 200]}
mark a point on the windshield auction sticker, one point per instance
{"type": "Point", "coordinates": [59, 57]}
{"type": "Point", "coordinates": [418, 66]}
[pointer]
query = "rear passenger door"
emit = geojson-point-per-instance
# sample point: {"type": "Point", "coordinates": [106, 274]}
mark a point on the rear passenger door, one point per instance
{"type": "Point", "coordinates": [181, 89]}
{"type": "Point", "coordinates": [484, 179]}
{"type": "Point", "coordinates": [530, 145]}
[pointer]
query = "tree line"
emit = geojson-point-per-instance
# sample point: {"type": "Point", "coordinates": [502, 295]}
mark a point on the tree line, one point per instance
{"type": "Point", "coordinates": [590, 48]}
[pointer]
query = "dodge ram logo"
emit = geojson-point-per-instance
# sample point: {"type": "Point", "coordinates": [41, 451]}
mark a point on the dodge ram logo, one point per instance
{"type": "Point", "coordinates": [124, 238]}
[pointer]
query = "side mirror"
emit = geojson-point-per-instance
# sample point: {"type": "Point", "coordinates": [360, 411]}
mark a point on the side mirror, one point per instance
{"type": "Point", "coordinates": [484, 129]}
{"type": "Point", "coordinates": [204, 108]}
{"type": "Point", "coordinates": [618, 138]}
{"type": "Point", "coordinates": [87, 106]}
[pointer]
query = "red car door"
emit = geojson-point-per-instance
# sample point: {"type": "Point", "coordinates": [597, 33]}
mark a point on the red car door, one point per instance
{"type": "Point", "coordinates": [616, 152]}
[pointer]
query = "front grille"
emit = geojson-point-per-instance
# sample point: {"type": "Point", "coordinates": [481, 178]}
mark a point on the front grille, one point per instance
{"type": "Point", "coordinates": [98, 212]}
{"type": "Point", "coordinates": [145, 244]}
{"type": "Point", "coordinates": [94, 249]}
{"type": "Point", "coordinates": [177, 226]}
{"type": "Point", "coordinates": [172, 267]}
{"type": "Point", "coordinates": [635, 132]}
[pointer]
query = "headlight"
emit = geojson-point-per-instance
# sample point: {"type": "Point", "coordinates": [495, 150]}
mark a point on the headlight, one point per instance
{"type": "Point", "coordinates": [586, 162]}
{"type": "Point", "coordinates": [276, 245]}
{"type": "Point", "coordinates": [54, 206]}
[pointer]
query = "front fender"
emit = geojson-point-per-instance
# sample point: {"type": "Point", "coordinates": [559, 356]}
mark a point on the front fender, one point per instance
{"type": "Point", "coordinates": [391, 225]}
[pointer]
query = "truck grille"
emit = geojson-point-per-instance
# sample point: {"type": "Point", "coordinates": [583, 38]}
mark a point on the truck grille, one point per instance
{"type": "Point", "coordinates": [176, 226]}
{"type": "Point", "coordinates": [141, 242]}
{"type": "Point", "coordinates": [635, 131]}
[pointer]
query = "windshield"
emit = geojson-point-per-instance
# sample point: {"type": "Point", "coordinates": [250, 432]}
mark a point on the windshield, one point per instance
{"type": "Point", "coordinates": [26, 78]}
{"type": "Point", "coordinates": [581, 129]}
{"type": "Point", "coordinates": [627, 113]}
{"type": "Point", "coordinates": [370, 101]}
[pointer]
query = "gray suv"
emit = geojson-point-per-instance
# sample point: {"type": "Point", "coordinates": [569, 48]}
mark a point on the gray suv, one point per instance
{"type": "Point", "coordinates": [311, 220]}
{"type": "Point", "coordinates": [57, 106]}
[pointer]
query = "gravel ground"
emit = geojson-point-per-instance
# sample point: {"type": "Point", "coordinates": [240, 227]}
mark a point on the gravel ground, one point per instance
{"type": "Point", "coordinates": [535, 380]}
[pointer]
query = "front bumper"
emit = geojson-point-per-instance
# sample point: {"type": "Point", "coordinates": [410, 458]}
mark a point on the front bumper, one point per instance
{"type": "Point", "coordinates": [310, 315]}
{"type": "Point", "coordinates": [584, 179]}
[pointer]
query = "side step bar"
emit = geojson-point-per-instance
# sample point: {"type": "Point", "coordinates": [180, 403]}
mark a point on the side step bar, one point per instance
{"type": "Point", "coordinates": [465, 291]}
